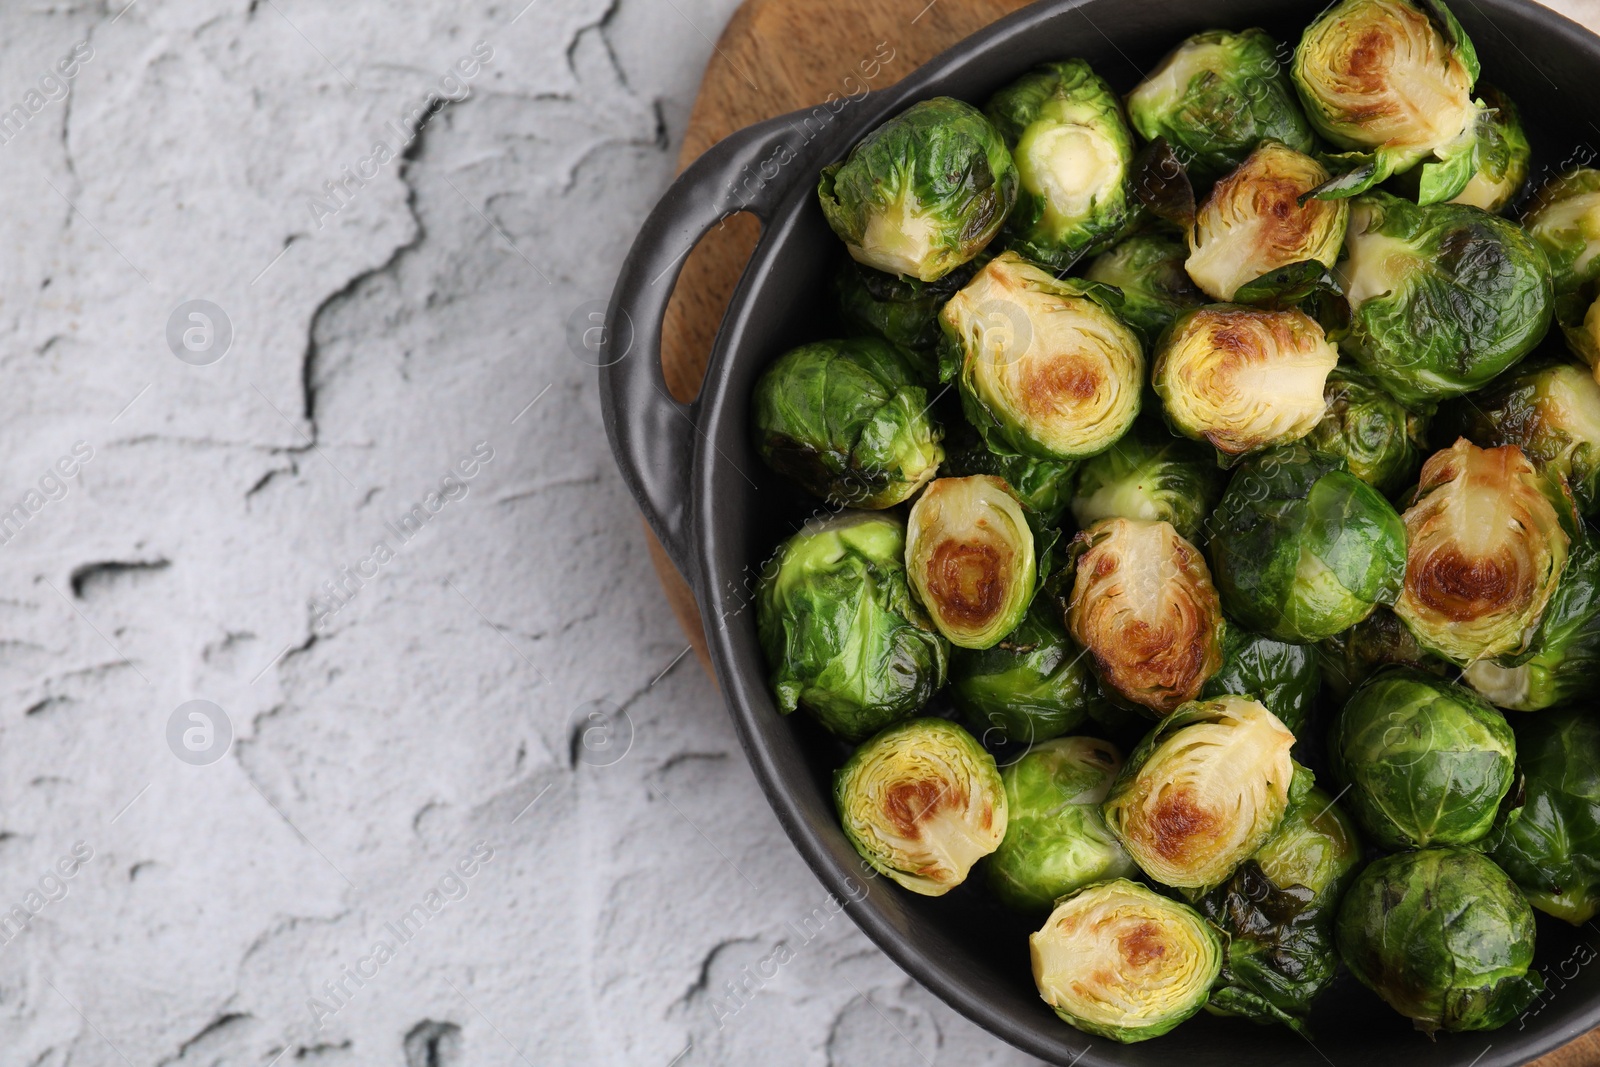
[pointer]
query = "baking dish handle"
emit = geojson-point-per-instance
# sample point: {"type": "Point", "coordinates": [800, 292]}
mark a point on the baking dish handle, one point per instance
{"type": "Point", "coordinates": [653, 435]}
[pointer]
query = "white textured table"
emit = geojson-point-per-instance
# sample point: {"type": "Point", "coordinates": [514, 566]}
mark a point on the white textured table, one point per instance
{"type": "Point", "coordinates": [393, 834]}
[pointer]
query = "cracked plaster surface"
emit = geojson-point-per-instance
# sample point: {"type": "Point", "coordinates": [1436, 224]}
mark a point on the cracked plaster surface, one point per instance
{"type": "Point", "coordinates": [435, 721]}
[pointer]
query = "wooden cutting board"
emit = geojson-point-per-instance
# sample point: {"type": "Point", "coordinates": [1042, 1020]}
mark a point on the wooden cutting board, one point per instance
{"type": "Point", "coordinates": [777, 56]}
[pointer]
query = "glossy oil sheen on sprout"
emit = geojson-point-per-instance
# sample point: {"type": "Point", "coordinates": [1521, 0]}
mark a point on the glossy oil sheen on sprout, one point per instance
{"type": "Point", "coordinates": [1553, 850]}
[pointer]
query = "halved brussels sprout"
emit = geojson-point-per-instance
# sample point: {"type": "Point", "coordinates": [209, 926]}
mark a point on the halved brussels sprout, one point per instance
{"type": "Point", "coordinates": [1563, 661]}
{"type": "Point", "coordinates": [1442, 298]}
{"type": "Point", "coordinates": [1143, 605]}
{"type": "Point", "coordinates": [842, 633]}
{"type": "Point", "coordinates": [1148, 268]}
{"type": "Point", "coordinates": [969, 552]}
{"type": "Point", "coordinates": [922, 802]}
{"type": "Point", "coordinates": [1393, 80]}
{"type": "Point", "coordinates": [1553, 850]}
{"type": "Point", "coordinates": [1074, 154]}
{"type": "Point", "coordinates": [1254, 240]}
{"type": "Point", "coordinates": [1579, 319]}
{"type": "Point", "coordinates": [1379, 438]}
{"type": "Point", "coordinates": [1121, 961]}
{"type": "Point", "coordinates": [1045, 366]}
{"type": "Point", "coordinates": [1043, 485]}
{"type": "Point", "coordinates": [1551, 410]}
{"type": "Point", "coordinates": [1278, 911]}
{"type": "Point", "coordinates": [1282, 676]}
{"type": "Point", "coordinates": [1380, 640]}
{"type": "Point", "coordinates": [1243, 378]}
{"type": "Point", "coordinates": [1428, 762]}
{"type": "Point", "coordinates": [1034, 685]}
{"type": "Point", "coordinates": [1443, 936]}
{"type": "Point", "coordinates": [901, 310]}
{"type": "Point", "coordinates": [923, 193]}
{"type": "Point", "coordinates": [1503, 155]}
{"type": "Point", "coordinates": [1149, 474]}
{"type": "Point", "coordinates": [1204, 791]}
{"type": "Point", "coordinates": [1565, 219]}
{"type": "Point", "coordinates": [1486, 550]}
{"type": "Point", "coordinates": [848, 421]}
{"type": "Point", "coordinates": [1301, 548]}
{"type": "Point", "coordinates": [1056, 839]}
{"type": "Point", "coordinates": [1215, 97]}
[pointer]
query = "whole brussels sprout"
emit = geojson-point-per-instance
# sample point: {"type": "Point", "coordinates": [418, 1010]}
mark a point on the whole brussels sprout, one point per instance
{"type": "Point", "coordinates": [1143, 605]}
{"type": "Point", "coordinates": [1282, 676]}
{"type": "Point", "coordinates": [1204, 790]}
{"type": "Point", "coordinates": [1148, 268]}
{"type": "Point", "coordinates": [1044, 366]}
{"type": "Point", "coordinates": [901, 310]}
{"type": "Point", "coordinates": [1032, 686]}
{"type": "Point", "coordinates": [1487, 544]}
{"type": "Point", "coordinates": [1120, 961]}
{"type": "Point", "coordinates": [1215, 97]}
{"type": "Point", "coordinates": [1551, 850]}
{"type": "Point", "coordinates": [1043, 485]}
{"type": "Point", "coordinates": [1563, 661]}
{"type": "Point", "coordinates": [1242, 378]}
{"type": "Point", "coordinates": [1442, 298]}
{"type": "Point", "coordinates": [1380, 439]}
{"type": "Point", "coordinates": [970, 555]}
{"type": "Point", "coordinates": [1380, 640]}
{"type": "Point", "coordinates": [1255, 239]}
{"type": "Point", "coordinates": [848, 421]}
{"type": "Point", "coordinates": [1056, 839]}
{"type": "Point", "coordinates": [1428, 762]}
{"type": "Point", "coordinates": [1503, 155]}
{"type": "Point", "coordinates": [1074, 154]}
{"type": "Point", "coordinates": [922, 802]}
{"type": "Point", "coordinates": [1301, 548]}
{"type": "Point", "coordinates": [1443, 936]}
{"type": "Point", "coordinates": [1149, 474]}
{"type": "Point", "coordinates": [842, 634]}
{"type": "Point", "coordinates": [1564, 218]}
{"type": "Point", "coordinates": [1393, 80]}
{"type": "Point", "coordinates": [1278, 910]}
{"type": "Point", "coordinates": [1551, 410]}
{"type": "Point", "coordinates": [923, 193]}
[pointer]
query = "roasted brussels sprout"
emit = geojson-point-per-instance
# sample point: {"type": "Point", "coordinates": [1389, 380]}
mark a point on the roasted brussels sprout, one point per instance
{"type": "Point", "coordinates": [1216, 97]}
{"type": "Point", "coordinates": [1553, 850]}
{"type": "Point", "coordinates": [1282, 676]}
{"type": "Point", "coordinates": [1565, 219]}
{"type": "Point", "coordinates": [1393, 80]}
{"type": "Point", "coordinates": [1034, 685]}
{"type": "Point", "coordinates": [1045, 367]}
{"type": "Point", "coordinates": [1074, 154]}
{"type": "Point", "coordinates": [1149, 474]}
{"type": "Point", "coordinates": [1503, 155]}
{"type": "Point", "coordinates": [1242, 378]}
{"type": "Point", "coordinates": [842, 634]}
{"type": "Point", "coordinates": [1204, 791]}
{"type": "Point", "coordinates": [1148, 268]}
{"type": "Point", "coordinates": [1056, 839]}
{"type": "Point", "coordinates": [1487, 545]}
{"type": "Point", "coordinates": [1551, 410]}
{"type": "Point", "coordinates": [1255, 241]}
{"type": "Point", "coordinates": [970, 555]}
{"type": "Point", "coordinates": [1380, 439]}
{"type": "Point", "coordinates": [1563, 661]}
{"type": "Point", "coordinates": [848, 421]}
{"type": "Point", "coordinates": [923, 193]}
{"type": "Point", "coordinates": [1443, 936]}
{"type": "Point", "coordinates": [922, 802]}
{"type": "Point", "coordinates": [1278, 910]}
{"type": "Point", "coordinates": [1302, 548]}
{"type": "Point", "coordinates": [1428, 762]}
{"type": "Point", "coordinates": [1442, 298]}
{"type": "Point", "coordinates": [901, 310]}
{"type": "Point", "coordinates": [1579, 319]}
{"type": "Point", "coordinates": [1121, 961]}
{"type": "Point", "coordinates": [1043, 485]}
{"type": "Point", "coordinates": [1380, 640]}
{"type": "Point", "coordinates": [1143, 605]}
